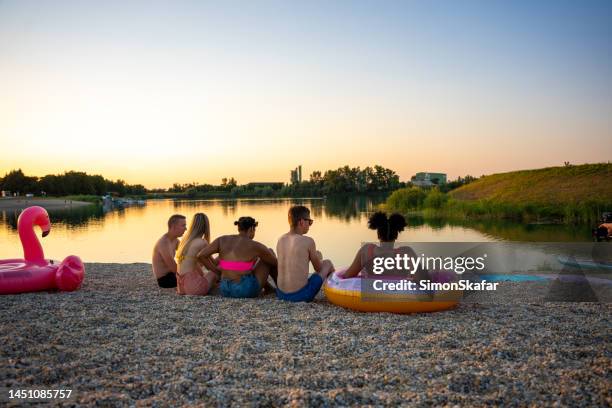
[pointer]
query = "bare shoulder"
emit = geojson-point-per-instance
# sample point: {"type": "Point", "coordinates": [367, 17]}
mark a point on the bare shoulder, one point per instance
{"type": "Point", "coordinates": [259, 246]}
{"type": "Point", "coordinates": [307, 241]}
{"type": "Point", "coordinates": [198, 244]}
{"type": "Point", "coordinates": [161, 243]}
{"type": "Point", "coordinates": [170, 243]}
{"type": "Point", "coordinates": [284, 237]}
{"type": "Point", "coordinates": [223, 238]}
{"type": "Point", "coordinates": [407, 250]}
{"type": "Point", "coordinates": [363, 250]}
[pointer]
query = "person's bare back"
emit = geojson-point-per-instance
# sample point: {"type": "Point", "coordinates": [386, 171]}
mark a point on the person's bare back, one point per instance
{"type": "Point", "coordinates": [163, 256]}
{"type": "Point", "coordinates": [164, 266]}
{"type": "Point", "coordinates": [244, 263]}
{"type": "Point", "coordinates": [294, 254]}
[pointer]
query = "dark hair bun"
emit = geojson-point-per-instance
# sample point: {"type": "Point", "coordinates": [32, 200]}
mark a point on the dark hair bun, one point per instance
{"type": "Point", "coordinates": [397, 222]}
{"type": "Point", "coordinates": [377, 220]}
{"type": "Point", "coordinates": [244, 223]}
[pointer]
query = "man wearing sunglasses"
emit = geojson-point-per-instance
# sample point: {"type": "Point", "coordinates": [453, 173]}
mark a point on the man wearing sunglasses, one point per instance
{"type": "Point", "coordinates": [295, 252]}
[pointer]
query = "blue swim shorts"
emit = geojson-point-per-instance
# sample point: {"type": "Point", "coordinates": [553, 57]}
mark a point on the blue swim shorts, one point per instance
{"type": "Point", "coordinates": [248, 287]}
{"type": "Point", "coordinates": [306, 294]}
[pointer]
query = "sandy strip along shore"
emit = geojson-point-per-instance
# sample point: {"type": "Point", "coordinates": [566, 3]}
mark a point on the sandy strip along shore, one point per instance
{"type": "Point", "coordinates": [120, 340]}
{"type": "Point", "coordinates": [11, 204]}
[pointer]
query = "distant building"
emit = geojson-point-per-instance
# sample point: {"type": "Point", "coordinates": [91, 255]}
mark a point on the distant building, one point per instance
{"type": "Point", "coordinates": [424, 179]}
{"type": "Point", "coordinates": [296, 175]}
{"type": "Point", "coordinates": [273, 185]}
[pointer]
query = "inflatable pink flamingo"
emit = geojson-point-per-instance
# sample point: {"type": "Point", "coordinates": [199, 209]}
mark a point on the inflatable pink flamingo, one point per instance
{"type": "Point", "coordinates": [35, 273]}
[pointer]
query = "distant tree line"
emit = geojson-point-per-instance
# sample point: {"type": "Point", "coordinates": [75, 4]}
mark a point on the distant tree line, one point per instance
{"type": "Point", "coordinates": [69, 183]}
{"type": "Point", "coordinates": [347, 180]}
{"type": "Point", "coordinates": [340, 181]}
{"type": "Point", "coordinates": [193, 188]}
{"type": "Point", "coordinates": [343, 180]}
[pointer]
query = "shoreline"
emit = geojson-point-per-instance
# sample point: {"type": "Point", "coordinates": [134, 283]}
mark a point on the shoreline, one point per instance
{"type": "Point", "coordinates": [13, 204]}
{"type": "Point", "coordinates": [121, 340]}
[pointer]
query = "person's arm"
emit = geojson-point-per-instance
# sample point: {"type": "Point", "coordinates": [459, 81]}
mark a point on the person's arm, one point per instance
{"type": "Point", "coordinates": [204, 256]}
{"type": "Point", "coordinates": [355, 267]}
{"type": "Point", "coordinates": [421, 273]}
{"type": "Point", "coordinates": [315, 257]}
{"type": "Point", "coordinates": [266, 255]}
{"type": "Point", "coordinates": [166, 252]}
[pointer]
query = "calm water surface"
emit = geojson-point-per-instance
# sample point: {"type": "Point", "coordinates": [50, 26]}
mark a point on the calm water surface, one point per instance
{"type": "Point", "coordinates": [340, 226]}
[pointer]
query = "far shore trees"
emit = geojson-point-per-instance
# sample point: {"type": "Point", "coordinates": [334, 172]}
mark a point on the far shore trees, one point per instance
{"type": "Point", "coordinates": [344, 180]}
{"type": "Point", "coordinates": [69, 183]}
{"type": "Point", "coordinates": [341, 181]}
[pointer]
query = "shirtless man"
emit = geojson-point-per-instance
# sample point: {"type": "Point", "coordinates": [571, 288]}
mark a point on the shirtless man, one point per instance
{"type": "Point", "coordinates": [295, 251]}
{"type": "Point", "coordinates": [164, 266]}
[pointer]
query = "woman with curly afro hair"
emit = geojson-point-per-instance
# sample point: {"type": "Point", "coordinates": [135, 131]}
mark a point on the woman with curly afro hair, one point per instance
{"type": "Point", "coordinates": [387, 229]}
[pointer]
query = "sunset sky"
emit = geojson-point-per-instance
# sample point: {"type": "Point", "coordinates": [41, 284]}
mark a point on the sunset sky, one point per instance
{"type": "Point", "coordinates": [161, 92]}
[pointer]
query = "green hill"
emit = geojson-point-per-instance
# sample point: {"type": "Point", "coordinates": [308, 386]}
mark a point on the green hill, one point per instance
{"type": "Point", "coordinates": [569, 194]}
{"type": "Point", "coordinates": [547, 186]}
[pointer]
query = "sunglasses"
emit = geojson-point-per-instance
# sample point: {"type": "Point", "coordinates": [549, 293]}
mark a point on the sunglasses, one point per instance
{"type": "Point", "coordinates": [310, 221]}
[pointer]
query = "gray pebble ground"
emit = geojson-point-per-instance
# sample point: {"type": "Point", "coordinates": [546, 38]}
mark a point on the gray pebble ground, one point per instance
{"type": "Point", "coordinates": [121, 341]}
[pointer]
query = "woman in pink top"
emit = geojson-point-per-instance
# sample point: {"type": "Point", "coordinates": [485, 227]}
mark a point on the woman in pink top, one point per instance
{"type": "Point", "coordinates": [192, 278]}
{"type": "Point", "coordinates": [244, 263]}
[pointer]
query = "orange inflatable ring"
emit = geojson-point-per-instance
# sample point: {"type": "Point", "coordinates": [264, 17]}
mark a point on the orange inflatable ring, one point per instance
{"type": "Point", "coordinates": [347, 293]}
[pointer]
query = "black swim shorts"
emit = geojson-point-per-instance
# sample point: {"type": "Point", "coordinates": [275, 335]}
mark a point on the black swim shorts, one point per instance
{"type": "Point", "coordinates": [167, 281]}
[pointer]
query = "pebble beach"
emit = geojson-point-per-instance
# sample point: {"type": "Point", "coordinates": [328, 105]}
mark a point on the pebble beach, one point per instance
{"type": "Point", "coordinates": [120, 341]}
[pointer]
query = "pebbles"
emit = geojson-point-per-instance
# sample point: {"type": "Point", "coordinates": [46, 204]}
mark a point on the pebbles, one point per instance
{"type": "Point", "coordinates": [121, 341]}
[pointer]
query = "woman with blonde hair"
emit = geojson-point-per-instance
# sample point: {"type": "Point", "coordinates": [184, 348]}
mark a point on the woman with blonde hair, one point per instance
{"type": "Point", "coordinates": [192, 278]}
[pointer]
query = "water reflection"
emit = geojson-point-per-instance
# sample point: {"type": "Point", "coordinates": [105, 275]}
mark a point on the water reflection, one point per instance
{"type": "Point", "coordinates": [348, 208]}
{"type": "Point", "coordinates": [71, 217]}
{"type": "Point", "coordinates": [525, 232]}
{"type": "Point", "coordinates": [344, 208]}
{"type": "Point", "coordinates": [127, 235]}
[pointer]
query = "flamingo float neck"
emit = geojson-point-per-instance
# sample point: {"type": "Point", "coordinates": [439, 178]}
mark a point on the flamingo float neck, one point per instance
{"type": "Point", "coordinates": [32, 250]}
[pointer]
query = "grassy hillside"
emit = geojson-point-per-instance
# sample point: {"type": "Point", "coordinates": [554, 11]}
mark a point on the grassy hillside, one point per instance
{"type": "Point", "coordinates": [551, 185]}
{"type": "Point", "coordinates": [570, 194]}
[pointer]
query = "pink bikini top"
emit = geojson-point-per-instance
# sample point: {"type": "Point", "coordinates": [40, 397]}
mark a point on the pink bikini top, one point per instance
{"type": "Point", "coordinates": [238, 266]}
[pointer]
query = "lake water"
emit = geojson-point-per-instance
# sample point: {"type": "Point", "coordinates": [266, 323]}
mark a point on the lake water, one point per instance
{"type": "Point", "coordinates": [340, 226]}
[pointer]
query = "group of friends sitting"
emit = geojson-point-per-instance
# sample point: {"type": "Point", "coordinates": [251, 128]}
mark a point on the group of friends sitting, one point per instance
{"type": "Point", "coordinates": [240, 266]}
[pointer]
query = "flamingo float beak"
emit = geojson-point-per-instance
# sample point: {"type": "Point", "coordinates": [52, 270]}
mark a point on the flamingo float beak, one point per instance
{"type": "Point", "coordinates": [45, 226]}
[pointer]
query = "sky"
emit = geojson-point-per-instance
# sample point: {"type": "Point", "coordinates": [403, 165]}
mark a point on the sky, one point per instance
{"type": "Point", "coordinates": [191, 91]}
